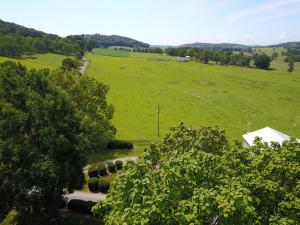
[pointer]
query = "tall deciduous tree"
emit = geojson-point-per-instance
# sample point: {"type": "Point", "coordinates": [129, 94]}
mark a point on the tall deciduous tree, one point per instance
{"type": "Point", "coordinates": [196, 177]}
{"type": "Point", "coordinates": [89, 97]}
{"type": "Point", "coordinates": [261, 61]}
{"type": "Point", "coordinates": [42, 150]}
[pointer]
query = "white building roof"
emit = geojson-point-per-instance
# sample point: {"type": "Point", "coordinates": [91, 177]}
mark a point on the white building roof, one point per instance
{"type": "Point", "coordinates": [267, 134]}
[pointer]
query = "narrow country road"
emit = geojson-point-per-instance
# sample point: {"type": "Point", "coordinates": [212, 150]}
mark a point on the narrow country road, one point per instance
{"type": "Point", "coordinates": [85, 65]}
{"type": "Point", "coordinates": [85, 196]}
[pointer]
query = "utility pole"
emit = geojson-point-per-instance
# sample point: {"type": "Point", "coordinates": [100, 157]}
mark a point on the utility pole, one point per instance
{"type": "Point", "coordinates": [158, 111]}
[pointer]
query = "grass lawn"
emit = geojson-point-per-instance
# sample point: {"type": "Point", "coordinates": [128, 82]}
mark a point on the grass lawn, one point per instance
{"type": "Point", "coordinates": [237, 99]}
{"type": "Point", "coordinates": [110, 52]}
{"type": "Point", "coordinates": [38, 61]}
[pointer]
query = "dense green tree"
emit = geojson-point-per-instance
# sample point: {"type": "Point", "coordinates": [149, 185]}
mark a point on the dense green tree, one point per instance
{"type": "Point", "coordinates": [69, 64]}
{"type": "Point", "coordinates": [261, 61]}
{"type": "Point", "coordinates": [42, 149]}
{"type": "Point", "coordinates": [196, 177]}
{"type": "Point", "coordinates": [89, 97]}
{"type": "Point", "coordinates": [291, 67]}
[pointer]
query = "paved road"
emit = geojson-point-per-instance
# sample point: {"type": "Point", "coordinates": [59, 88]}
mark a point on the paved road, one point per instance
{"type": "Point", "coordinates": [85, 65]}
{"type": "Point", "coordinates": [86, 196]}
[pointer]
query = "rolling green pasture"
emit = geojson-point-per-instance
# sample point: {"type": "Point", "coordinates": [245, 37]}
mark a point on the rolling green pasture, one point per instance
{"type": "Point", "coordinates": [110, 52]}
{"type": "Point", "coordinates": [237, 99]}
{"type": "Point", "coordinates": [38, 61]}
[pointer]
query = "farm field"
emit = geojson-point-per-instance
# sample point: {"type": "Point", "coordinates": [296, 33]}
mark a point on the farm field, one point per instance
{"type": "Point", "coordinates": [38, 61]}
{"type": "Point", "coordinates": [237, 99]}
{"type": "Point", "coordinates": [110, 52]}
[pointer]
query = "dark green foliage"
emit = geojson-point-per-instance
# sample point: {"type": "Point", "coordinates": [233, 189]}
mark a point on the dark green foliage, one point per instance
{"type": "Point", "coordinates": [89, 97]}
{"type": "Point", "coordinates": [103, 185]}
{"type": "Point", "coordinates": [293, 55]}
{"type": "Point", "coordinates": [203, 55]}
{"type": "Point", "coordinates": [291, 67]}
{"type": "Point", "coordinates": [119, 145]}
{"type": "Point", "coordinates": [69, 64]}
{"type": "Point", "coordinates": [88, 42]}
{"type": "Point", "coordinates": [16, 40]}
{"type": "Point", "coordinates": [119, 164]}
{"type": "Point", "coordinates": [93, 184]}
{"type": "Point", "coordinates": [111, 167]}
{"type": "Point", "coordinates": [261, 61]}
{"type": "Point", "coordinates": [149, 50]}
{"type": "Point", "coordinates": [41, 144]}
{"type": "Point", "coordinates": [102, 171]}
{"type": "Point", "coordinates": [81, 206]}
{"type": "Point", "coordinates": [93, 171]}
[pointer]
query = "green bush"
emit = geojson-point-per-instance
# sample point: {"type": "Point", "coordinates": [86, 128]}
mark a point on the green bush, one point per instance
{"type": "Point", "coordinates": [93, 171]}
{"type": "Point", "coordinates": [103, 185]}
{"type": "Point", "coordinates": [102, 171]}
{"type": "Point", "coordinates": [111, 167]}
{"type": "Point", "coordinates": [81, 206]}
{"type": "Point", "coordinates": [119, 145]}
{"type": "Point", "coordinates": [119, 164]}
{"type": "Point", "coordinates": [93, 184]}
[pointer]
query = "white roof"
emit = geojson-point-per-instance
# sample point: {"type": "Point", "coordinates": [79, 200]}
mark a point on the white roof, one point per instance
{"type": "Point", "coordinates": [267, 134]}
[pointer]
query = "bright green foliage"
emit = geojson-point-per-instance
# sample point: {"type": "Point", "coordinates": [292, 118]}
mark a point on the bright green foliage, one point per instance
{"type": "Point", "coordinates": [41, 146]}
{"type": "Point", "coordinates": [175, 182]}
{"type": "Point", "coordinates": [89, 97]}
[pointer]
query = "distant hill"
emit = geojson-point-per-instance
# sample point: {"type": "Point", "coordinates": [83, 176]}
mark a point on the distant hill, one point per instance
{"type": "Point", "coordinates": [216, 45]}
{"type": "Point", "coordinates": [287, 45]}
{"type": "Point", "coordinates": [104, 41]}
{"type": "Point", "coordinates": [17, 40]}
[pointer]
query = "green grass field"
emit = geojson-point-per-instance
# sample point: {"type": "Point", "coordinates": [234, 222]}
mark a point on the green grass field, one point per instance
{"type": "Point", "coordinates": [237, 99]}
{"type": "Point", "coordinates": [39, 61]}
{"type": "Point", "coordinates": [110, 52]}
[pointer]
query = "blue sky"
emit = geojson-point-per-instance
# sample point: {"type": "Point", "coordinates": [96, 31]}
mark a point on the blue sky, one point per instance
{"type": "Point", "coordinates": [163, 21]}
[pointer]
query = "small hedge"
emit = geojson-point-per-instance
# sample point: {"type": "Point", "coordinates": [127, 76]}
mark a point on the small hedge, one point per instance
{"type": "Point", "coordinates": [119, 164]}
{"type": "Point", "coordinates": [93, 171]}
{"type": "Point", "coordinates": [111, 167]}
{"type": "Point", "coordinates": [119, 145]}
{"type": "Point", "coordinates": [103, 185]}
{"type": "Point", "coordinates": [93, 184]}
{"type": "Point", "coordinates": [81, 206]}
{"type": "Point", "coordinates": [102, 171]}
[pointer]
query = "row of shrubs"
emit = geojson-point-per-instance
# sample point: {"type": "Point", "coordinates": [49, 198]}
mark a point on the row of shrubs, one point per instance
{"type": "Point", "coordinates": [101, 170]}
{"type": "Point", "coordinates": [120, 145]}
{"type": "Point", "coordinates": [98, 184]}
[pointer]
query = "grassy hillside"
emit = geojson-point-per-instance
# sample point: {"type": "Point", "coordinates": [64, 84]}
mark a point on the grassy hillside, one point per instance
{"type": "Point", "coordinates": [237, 99]}
{"type": "Point", "coordinates": [38, 61]}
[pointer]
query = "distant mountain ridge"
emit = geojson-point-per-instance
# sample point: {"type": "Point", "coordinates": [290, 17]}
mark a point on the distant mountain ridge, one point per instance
{"type": "Point", "coordinates": [237, 46]}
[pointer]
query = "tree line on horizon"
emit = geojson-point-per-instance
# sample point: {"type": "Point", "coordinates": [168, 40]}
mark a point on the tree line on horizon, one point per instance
{"type": "Point", "coordinates": [16, 40]}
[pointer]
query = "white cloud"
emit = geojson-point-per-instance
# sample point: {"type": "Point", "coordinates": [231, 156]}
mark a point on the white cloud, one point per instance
{"type": "Point", "coordinates": [263, 8]}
